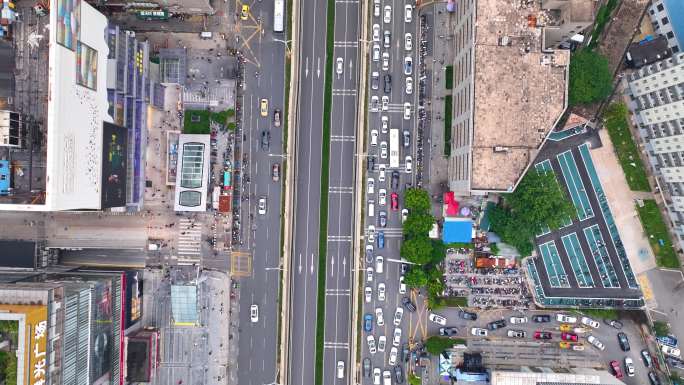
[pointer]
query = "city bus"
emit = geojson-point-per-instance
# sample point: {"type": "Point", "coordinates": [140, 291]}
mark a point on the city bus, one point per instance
{"type": "Point", "coordinates": [394, 148]}
{"type": "Point", "coordinates": [152, 15]}
{"type": "Point", "coordinates": [226, 180]}
{"type": "Point", "coordinates": [278, 15]}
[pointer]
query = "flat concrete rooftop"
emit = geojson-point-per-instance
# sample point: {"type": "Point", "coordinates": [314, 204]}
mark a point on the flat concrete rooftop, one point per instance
{"type": "Point", "coordinates": [520, 92]}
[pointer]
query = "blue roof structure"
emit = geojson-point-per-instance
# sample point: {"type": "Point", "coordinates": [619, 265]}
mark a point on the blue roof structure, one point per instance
{"type": "Point", "coordinates": [457, 230]}
{"type": "Point", "coordinates": [4, 177]}
{"type": "Point", "coordinates": [675, 10]}
{"type": "Point", "coordinates": [184, 305]}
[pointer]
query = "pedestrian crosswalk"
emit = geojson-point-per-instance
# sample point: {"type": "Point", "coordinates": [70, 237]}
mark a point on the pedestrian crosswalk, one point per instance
{"type": "Point", "coordinates": [189, 241]}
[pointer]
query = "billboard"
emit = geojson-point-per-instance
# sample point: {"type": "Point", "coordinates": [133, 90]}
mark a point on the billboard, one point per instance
{"type": "Point", "coordinates": [36, 336]}
{"type": "Point", "coordinates": [114, 165]}
{"type": "Point", "coordinates": [134, 298]}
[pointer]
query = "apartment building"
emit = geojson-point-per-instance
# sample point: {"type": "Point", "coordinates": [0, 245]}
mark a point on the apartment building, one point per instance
{"type": "Point", "coordinates": [667, 17]}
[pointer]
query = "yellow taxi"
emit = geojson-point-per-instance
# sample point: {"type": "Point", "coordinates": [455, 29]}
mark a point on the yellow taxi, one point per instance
{"type": "Point", "coordinates": [566, 328]}
{"type": "Point", "coordinates": [564, 345]}
{"type": "Point", "coordinates": [244, 15]}
{"type": "Point", "coordinates": [264, 107]}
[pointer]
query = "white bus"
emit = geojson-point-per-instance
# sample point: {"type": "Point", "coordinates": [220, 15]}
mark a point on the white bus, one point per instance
{"type": "Point", "coordinates": [278, 15]}
{"type": "Point", "coordinates": [394, 148]}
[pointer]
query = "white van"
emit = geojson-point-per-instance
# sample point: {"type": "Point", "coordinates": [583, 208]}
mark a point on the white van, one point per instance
{"type": "Point", "coordinates": [371, 208]}
{"type": "Point", "coordinates": [206, 35]}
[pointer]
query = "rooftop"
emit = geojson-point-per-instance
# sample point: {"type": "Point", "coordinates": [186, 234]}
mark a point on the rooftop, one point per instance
{"type": "Point", "coordinates": [525, 86]}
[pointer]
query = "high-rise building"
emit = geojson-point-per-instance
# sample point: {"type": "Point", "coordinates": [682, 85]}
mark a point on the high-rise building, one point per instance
{"type": "Point", "coordinates": [509, 92]}
{"type": "Point", "coordinates": [70, 325]}
{"type": "Point", "coordinates": [667, 17]}
{"type": "Point", "coordinates": [657, 101]}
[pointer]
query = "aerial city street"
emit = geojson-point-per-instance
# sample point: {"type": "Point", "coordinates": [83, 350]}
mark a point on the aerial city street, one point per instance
{"type": "Point", "coordinates": [341, 192]}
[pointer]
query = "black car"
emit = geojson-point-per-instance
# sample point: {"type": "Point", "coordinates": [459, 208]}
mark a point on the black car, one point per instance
{"type": "Point", "coordinates": [265, 140]}
{"type": "Point", "coordinates": [366, 367]}
{"type": "Point", "coordinates": [387, 86]}
{"type": "Point", "coordinates": [395, 180]}
{"type": "Point", "coordinates": [403, 269]}
{"type": "Point", "coordinates": [541, 318]}
{"type": "Point", "coordinates": [653, 378]}
{"type": "Point", "coordinates": [467, 315]}
{"type": "Point", "coordinates": [624, 341]}
{"type": "Point", "coordinates": [498, 324]}
{"type": "Point", "coordinates": [448, 331]}
{"type": "Point", "coordinates": [371, 163]}
{"type": "Point", "coordinates": [399, 374]}
{"type": "Point", "coordinates": [406, 302]}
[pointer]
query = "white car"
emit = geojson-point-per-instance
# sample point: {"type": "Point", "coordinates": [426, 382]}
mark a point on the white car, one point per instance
{"type": "Point", "coordinates": [385, 124]}
{"type": "Point", "coordinates": [408, 42]}
{"type": "Point", "coordinates": [381, 172]}
{"type": "Point", "coordinates": [368, 292]}
{"type": "Point", "coordinates": [376, 52]}
{"type": "Point", "coordinates": [371, 344]}
{"type": "Point", "coordinates": [370, 237]}
{"type": "Point", "coordinates": [254, 313]}
{"type": "Point", "coordinates": [340, 369]}
{"type": "Point", "coordinates": [398, 314]}
{"type": "Point", "coordinates": [392, 358]}
{"type": "Point", "coordinates": [407, 111]}
{"type": "Point", "coordinates": [371, 186]}
{"type": "Point", "coordinates": [374, 137]}
{"type": "Point", "coordinates": [387, 377]}
{"type": "Point", "coordinates": [438, 319]}
{"type": "Point", "coordinates": [402, 285]}
{"type": "Point", "coordinates": [518, 320]}
{"type": "Point", "coordinates": [376, 8]}
{"type": "Point", "coordinates": [381, 291]}
{"type": "Point", "coordinates": [382, 342]}
{"type": "Point", "coordinates": [595, 341]}
{"type": "Point", "coordinates": [382, 197]}
{"type": "Point", "coordinates": [409, 85]}
{"type": "Point", "coordinates": [408, 65]}
{"type": "Point", "coordinates": [375, 103]}
{"type": "Point", "coordinates": [387, 39]}
{"type": "Point", "coordinates": [385, 61]}
{"type": "Point", "coordinates": [396, 339]}
{"type": "Point", "coordinates": [670, 351]}
{"type": "Point", "coordinates": [371, 233]}
{"type": "Point", "coordinates": [629, 366]}
{"type": "Point", "coordinates": [478, 332]}
{"type": "Point", "coordinates": [376, 32]}
{"type": "Point", "coordinates": [377, 375]}
{"type": "Point", "coordinates": [408, 164]}
{"type": "Point", "coordinates": [566, 319]}
{"type": "Point", "coordinates": [404, 215]}
{"type": "Point", "coordinates": [340, 66]}
{"type": "Point", "coordinates": [408, 13]}
{"type": "Point", "coordinates": [590, 322]}
{"type": "Point", "coordinates": [369, 274]}
{"type": "Point", "coordinates": [383, 150]}
{"type": "Point", "coordinates": [379, 264]}
{"type": "Point", "coordinates": [379, 317]}
{"type": "Point", "coordinates": [387, 14]}
{"type": "Point", "coordinates": [385, 103]}
{"type": "Point", "coordinates": [262, 206]}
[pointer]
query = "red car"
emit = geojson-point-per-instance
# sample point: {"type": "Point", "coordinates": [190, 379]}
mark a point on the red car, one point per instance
{"type": "Point", "coordinates": [394, 198]}
{"type": "Point", "coordinates": [569, 337]}
{"type": "Point", "coordinates": [539, 335]}
{"type": "Point", "coordinates": [617, 370]}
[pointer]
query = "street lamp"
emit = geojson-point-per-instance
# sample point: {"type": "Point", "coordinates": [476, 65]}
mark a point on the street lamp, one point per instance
{"type": "Point", "coordinates": [287, 45]}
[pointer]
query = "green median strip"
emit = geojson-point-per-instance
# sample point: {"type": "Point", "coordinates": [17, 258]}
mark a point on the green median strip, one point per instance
{"type": "Point", "coordinates": [325, 163]}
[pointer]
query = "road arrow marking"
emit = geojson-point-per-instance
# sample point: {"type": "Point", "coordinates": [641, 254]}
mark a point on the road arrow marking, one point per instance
{"type": "Point", "coordinates": [300, 263]}
{"type": "Point", "coordinates": [344, 266]}
{"type": "Point", "coordinates": [318, 68]}
{"type": "Point", "coordinates": [306, 68]}
{"type": "Point", "coordinates": [350, 70]}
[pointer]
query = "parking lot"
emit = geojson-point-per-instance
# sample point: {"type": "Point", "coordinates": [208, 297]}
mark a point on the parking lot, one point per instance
{"type": "Point", "coordinates": [584, 259]}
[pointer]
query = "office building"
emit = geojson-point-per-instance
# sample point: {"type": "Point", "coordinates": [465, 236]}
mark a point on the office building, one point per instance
{"type": "Point", "coordinates": [657, 102]}
{"type": "Point", "coordinates": [501, 65]}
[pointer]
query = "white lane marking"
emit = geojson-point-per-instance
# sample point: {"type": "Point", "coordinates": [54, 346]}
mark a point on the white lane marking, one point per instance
{"type": "Point", "coordinates": [306, 68]}
{"type": "Point", "coordinates": [318, 68]}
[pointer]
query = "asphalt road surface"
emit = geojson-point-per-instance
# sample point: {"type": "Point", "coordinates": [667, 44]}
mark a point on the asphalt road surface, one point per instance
{"type": "Point", "coordinates": [308, 132]}
{"type": "Point", "coordinates": [338, 281]}
{"type": "Point", "coordinates": [257, 346]}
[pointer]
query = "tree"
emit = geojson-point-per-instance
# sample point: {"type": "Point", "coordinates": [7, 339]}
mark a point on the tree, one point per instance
{"type": "Point", "coordinates": [438, 251]}
{"type": "Point", "coordinates": [418, 224]}
{"type": "Point", "coordinates": [417, 201]}
{"type": "Point", "coordinates": [436, 345]}
{"type": "Point", "coordinates": [538, 200]}
{"type": "Point", "coordinates": [590, 77]}
{"type": "Point", "coordinates": [661, 328]}
{"type": "Point", "coordinates": [416, 277]}
{"type": "Point", "coordinates": [417, 250]}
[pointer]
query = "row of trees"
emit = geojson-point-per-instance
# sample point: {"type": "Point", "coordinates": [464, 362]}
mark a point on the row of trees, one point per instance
{"type": "Point", "coordinates": [419, 249]}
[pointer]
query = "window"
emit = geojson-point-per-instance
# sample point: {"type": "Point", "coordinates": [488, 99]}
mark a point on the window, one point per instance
{"type": "Point", "coordinates": [665, 21]}
{"type": "Point", "coordinates": [670, 35]}
{"type": "Point", "coordinates": [675, 48]}
{"type": "Point", "coordinates": [660, 7]}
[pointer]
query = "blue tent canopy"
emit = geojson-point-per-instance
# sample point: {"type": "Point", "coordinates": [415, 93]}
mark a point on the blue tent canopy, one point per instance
{"type": "Point", "coordinates": [460, 231]}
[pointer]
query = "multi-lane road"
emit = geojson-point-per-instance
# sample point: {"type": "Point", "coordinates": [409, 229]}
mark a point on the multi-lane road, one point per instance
{"type": "Point", "coordinates": [265, 79]}
{"type": "Point", "coordinates": [307, 192]}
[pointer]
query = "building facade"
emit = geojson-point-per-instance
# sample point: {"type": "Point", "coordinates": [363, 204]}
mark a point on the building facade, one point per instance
{"type": "Point", "coordinates": [657, 102]}
{"type": "Point", "coordinates": [667, 17]}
